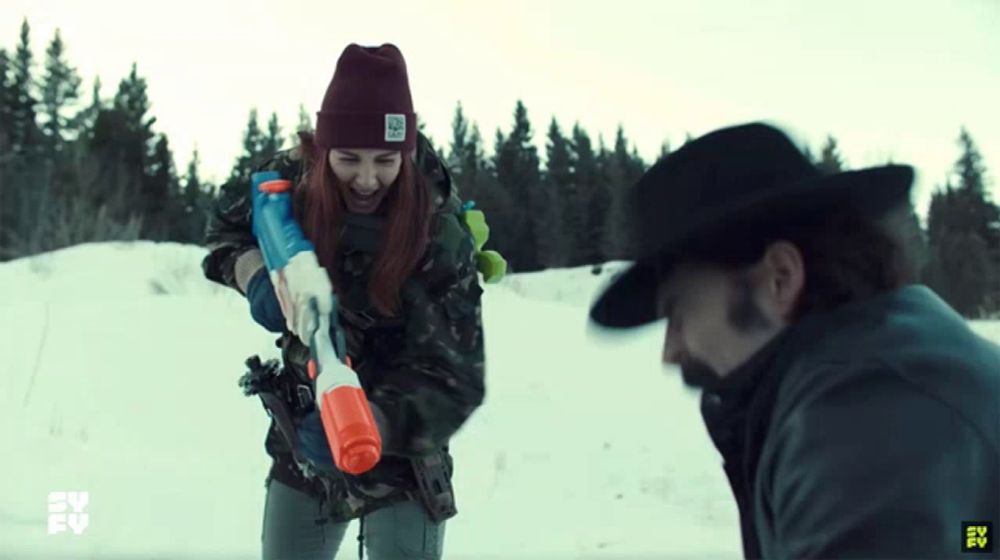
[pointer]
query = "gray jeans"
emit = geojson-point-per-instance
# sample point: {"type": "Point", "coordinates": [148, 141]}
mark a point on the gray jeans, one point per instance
{"type": "Point", "coordinates": [295, 529]}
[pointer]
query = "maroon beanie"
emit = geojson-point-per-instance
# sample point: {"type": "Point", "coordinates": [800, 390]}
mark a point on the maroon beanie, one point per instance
{"type": "Point", "coordinates": [368, 104]}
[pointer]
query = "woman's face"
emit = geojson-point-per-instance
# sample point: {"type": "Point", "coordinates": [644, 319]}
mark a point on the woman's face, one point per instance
{"type": "Point", "coordinates": [365, 175]}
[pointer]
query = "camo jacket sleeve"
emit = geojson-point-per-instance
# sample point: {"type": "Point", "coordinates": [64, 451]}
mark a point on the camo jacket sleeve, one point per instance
{"type": "Point", "coordinates": [430, 386]}
{"type": "Point", "coordinates": [233, 253]}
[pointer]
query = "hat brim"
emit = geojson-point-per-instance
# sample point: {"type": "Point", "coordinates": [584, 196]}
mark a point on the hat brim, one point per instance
{"type": "Point", "coordinates": [630, 300]}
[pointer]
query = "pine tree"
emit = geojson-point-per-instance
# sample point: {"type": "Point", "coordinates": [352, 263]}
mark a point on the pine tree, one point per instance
{"type": "Point", "coordinates": [502, 165]}
{"type": "Point", "coordinates": [115, 153]}
{"type": "Point", "coordinates": [473, 160]}
{"type": "Point", "coordinates": [35, 183]}
{"type": "Point", "coordinates": [465, 159]}
{"type": "Point", "coordinates": [195, 203]}
{"type": "Point", "coordinates": [9, 196]}
{"type": "Point", "coordinates": [623, 169]}
{"type": "Point", "coordinates": [964, 237]}
{"type": "Point", "coordinates": [505, 212]}
{"type": "Point", "coordinates": [608, 177]}
{"type": "Point", "coordinates": [984, 214]}
{"type": "Point", "coordinates": [6, 104]}
{"type": "Point", "coordinates": [959, 265]}
{"type": "Point", "coordinates": [594, 199]}
{"type": "Point", "coordinates": [566, 200]}
{"type": "Point", "coordinates": [422, 129]}
{"type": "Point", "coordinates": [664, 150]}
{"type": "Point", "coordinates": [808, 154]}
{"type": "Point", "coordinates": [131, 101]}
{"type": "Point", "coordinates": [915, 241]}
{"type": "Point", "coordinates": [636, 168]}
{"type": "Point", "coordinates": [456, 157]}
{"type": "Point", "coordinates": [273, 142]}
{"type": "Point", "coordinates": [498, 142]}
{"type": "Point", "coordinates": [144, 153]}
{"type": "Point", "coordinates": [122, 150]}
{"type": "Point", "coordinates": [25, 136]}
{"type": "Point", "coordinates": [161, 193]}
{"type": "Point", "coordinates": [305, 122]}
{"type": "Point", "coordinates": [253, 146]}
{"type": "Point", "coordinates": [60, 91]}
{"type": "Point", "coordinates": [830, 161]}
{"type": "Point", "coordinates": [192, 179]}
{"type": "Point", "coordinates": [518, 172]}
{"type": "Point", "coordinates": [459, 136]}
{"type": "Point", "coordinates": [83, 122]}
{"type": "Point", "coordinates": [969, 168]}
{"type": "Point", "coordinates": [86, 171]}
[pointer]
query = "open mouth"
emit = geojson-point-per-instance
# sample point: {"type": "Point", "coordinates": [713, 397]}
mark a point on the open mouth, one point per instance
{"type": "Point", "coordinates": [364, 201]}
{"type": "Point", "coordinates": [363, 197]}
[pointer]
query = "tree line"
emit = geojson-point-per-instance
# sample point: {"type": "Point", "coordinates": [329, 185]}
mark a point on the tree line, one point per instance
{"type": "Point", "coordinates": [78, 168]}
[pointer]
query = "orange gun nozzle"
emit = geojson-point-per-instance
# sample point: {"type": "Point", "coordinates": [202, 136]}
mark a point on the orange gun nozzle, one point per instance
{"type": "Point", "coordinates": [350, 429]}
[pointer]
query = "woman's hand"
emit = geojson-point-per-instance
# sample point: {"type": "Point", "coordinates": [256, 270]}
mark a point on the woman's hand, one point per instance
{"type": "Point", "coordinates": [313, 443]}
{"type": "Point", "coordinates": [304, 293]}
{"type": "Point", "coordinates": [265, 307]}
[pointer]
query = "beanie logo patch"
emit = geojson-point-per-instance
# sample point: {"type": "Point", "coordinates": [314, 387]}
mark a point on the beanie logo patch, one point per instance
{"type": "Point", "coordinates": [395, 127]}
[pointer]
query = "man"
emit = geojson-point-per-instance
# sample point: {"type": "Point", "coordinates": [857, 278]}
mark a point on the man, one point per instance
{"type": "Point", "coordinates": [856, 413]}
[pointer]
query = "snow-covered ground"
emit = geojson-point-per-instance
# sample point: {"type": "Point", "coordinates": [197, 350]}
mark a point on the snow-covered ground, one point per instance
{"type": "Point", "coordinates": [118, 377]}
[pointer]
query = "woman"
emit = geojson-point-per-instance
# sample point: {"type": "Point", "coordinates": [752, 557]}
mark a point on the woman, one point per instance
{"type": "Point", "coordinates": [378, 205]}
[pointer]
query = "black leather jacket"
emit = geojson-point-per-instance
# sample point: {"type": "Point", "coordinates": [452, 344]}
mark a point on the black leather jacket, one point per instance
{"type": "Point", "coordinates": [872, 431]}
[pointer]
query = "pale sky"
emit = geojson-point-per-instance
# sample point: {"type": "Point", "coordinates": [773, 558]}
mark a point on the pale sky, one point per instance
{"type": "Point", "coordinates": [888, 78]}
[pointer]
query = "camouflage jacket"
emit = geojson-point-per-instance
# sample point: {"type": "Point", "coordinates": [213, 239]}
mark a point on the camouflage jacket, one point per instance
{"type": "Point", "coordinates": [424, 368]}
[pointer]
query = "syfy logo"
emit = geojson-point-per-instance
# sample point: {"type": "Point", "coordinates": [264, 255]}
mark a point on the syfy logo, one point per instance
{"type": "Point", "coordinates": [67, 512]}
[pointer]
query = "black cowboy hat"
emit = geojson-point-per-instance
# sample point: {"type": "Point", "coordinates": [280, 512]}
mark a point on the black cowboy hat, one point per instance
{"type": "Point", "coordinates": [741, 176]}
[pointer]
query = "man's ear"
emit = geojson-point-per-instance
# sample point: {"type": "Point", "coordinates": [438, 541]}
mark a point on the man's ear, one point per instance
{"type": "Point", "coordinates": [784, 276]}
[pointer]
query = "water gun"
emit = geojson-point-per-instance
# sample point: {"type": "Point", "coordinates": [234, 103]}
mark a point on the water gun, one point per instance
{"type": "Point", "coordinates": [348, 422]}
{"type": "Point", "coordinates": [490, 263]}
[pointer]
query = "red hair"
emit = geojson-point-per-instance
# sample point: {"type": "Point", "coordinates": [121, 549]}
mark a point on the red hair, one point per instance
{"type": "Point", "coordinates": [320, 209]}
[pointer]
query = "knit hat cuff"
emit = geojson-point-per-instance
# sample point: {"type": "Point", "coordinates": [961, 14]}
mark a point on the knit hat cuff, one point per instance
{"type": "Point", "coordinates": [388, 131]}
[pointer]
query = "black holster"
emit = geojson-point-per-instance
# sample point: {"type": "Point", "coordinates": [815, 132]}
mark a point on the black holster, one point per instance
{"type": "Point", "coordinates": [434, 487]}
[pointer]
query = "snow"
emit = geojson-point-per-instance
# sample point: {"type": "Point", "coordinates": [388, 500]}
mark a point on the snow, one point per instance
{"type": "Point", "coordinates": [119, 378]}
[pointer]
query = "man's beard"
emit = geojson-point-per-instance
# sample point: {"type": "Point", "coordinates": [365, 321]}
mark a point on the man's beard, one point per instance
{"type": "Point", "coordinates": [745, 316]}
{"type": "Point", "coordinates": [697, 374]}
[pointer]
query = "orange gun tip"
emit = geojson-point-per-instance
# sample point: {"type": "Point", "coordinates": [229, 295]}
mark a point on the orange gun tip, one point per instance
{"type": "Point", "coordinates": [350, 429]}
{"type": "Point", "coordinates": [275, 186]}
{"type": "Point", "coordinates": [361, 458]}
